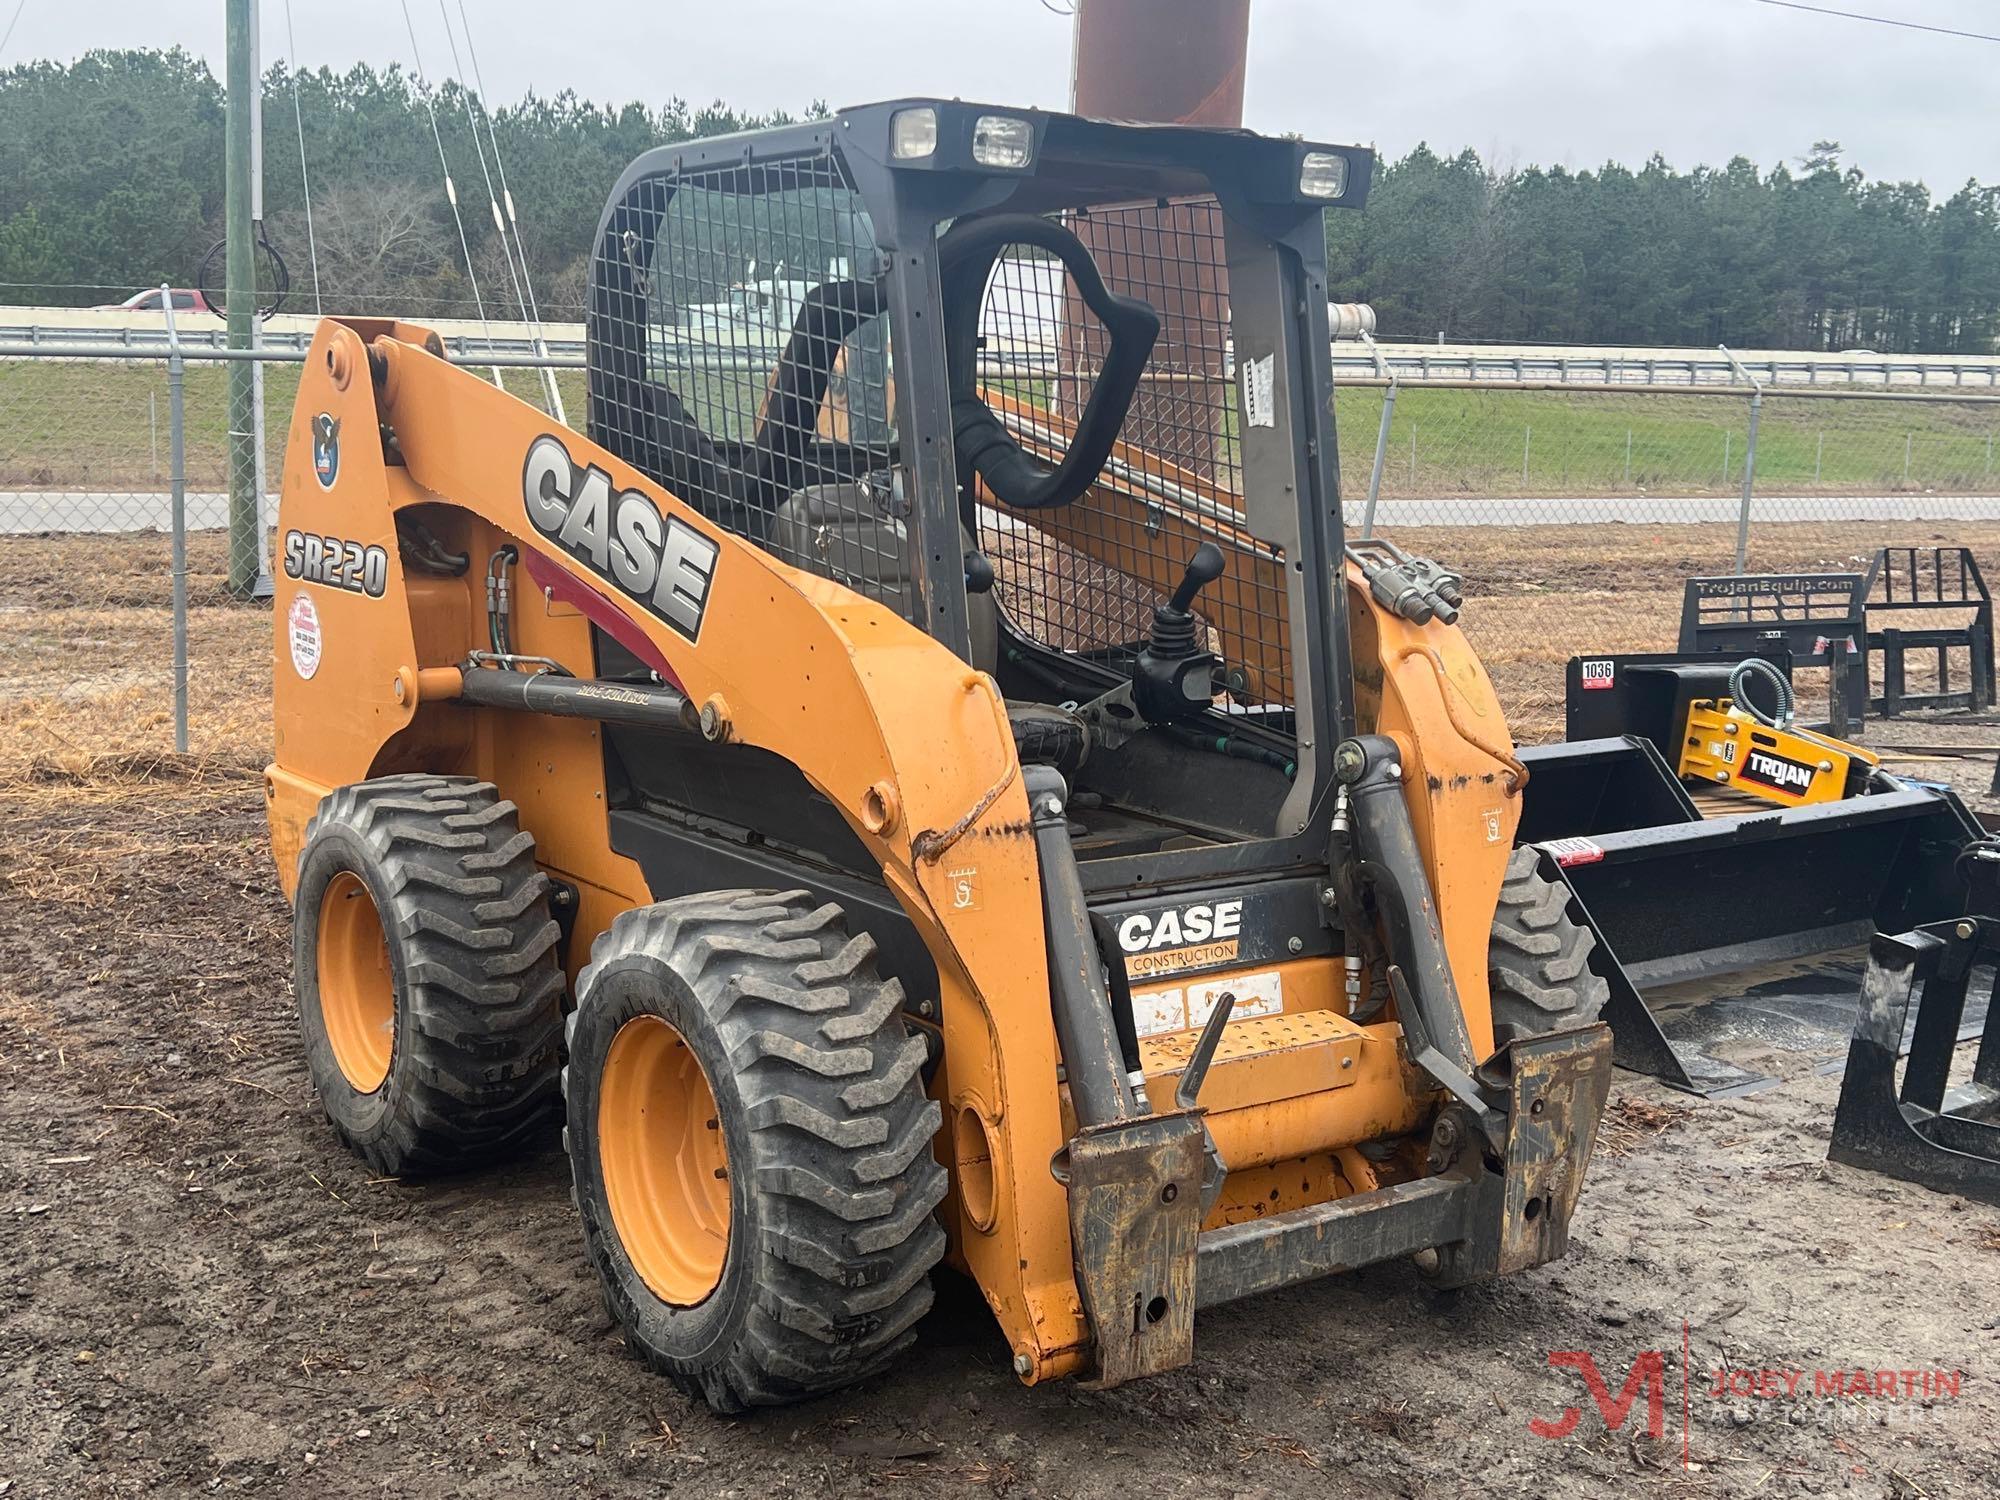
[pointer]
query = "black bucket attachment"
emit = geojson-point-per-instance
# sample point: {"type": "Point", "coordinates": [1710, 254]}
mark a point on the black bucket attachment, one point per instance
{"type": "Point", "coordinates": [1930, 1132]}
{"type": "Point", "coordinates": [1783, 902]}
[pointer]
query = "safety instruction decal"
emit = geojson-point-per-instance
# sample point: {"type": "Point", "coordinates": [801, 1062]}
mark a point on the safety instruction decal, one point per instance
{"type": "Point", "coordinates": [1157, 1012]}
{"type": "Point", "coordinates": [1260, 407]}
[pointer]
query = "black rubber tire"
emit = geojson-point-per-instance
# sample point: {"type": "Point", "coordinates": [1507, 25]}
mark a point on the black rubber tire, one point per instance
{"type": "Point", "coordinates": [1539, 961]}
{"type": "Point", "coordinates": [819, 1091]}
{"type": "Point", "coordinates": [474, 1063]}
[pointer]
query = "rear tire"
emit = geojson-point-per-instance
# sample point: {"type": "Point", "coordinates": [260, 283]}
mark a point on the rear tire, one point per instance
{"type": "Point", "coordinates": [760, 1007]}
{"type": "Point", "coordinates": [1539, 970]}
{"type": "Point", "coordinates": [424, 958]}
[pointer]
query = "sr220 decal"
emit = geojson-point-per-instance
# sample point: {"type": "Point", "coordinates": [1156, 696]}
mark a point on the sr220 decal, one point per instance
{"type": "Point", "coordinates": [336, 563]}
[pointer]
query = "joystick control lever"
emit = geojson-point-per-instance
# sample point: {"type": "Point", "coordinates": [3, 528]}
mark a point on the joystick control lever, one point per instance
{"type": "Point", "coordinates": [1174, 679]}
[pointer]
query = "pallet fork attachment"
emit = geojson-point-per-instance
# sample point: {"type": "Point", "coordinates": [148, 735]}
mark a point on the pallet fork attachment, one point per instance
{"type": "Point", "coordinates": [1928, 1132]}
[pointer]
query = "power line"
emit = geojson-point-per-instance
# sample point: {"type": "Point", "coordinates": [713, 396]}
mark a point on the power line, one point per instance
{"type": "Point", "coordinates": [553, 391]}
{"type": "Point", "coordinates": [1855, 15]}
{"type": "Point", "coordinates": [450, 188]}
{"type": "Point", "coordinates": [305, 182]}
{"type": "Point", "coordinates": [8, 36]}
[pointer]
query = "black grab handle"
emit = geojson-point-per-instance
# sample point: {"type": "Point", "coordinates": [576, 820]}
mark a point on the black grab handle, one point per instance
{"type": "Point", "coordinates": [984, 446]}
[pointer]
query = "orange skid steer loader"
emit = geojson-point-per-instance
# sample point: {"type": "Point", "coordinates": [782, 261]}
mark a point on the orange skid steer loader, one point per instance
{"type": "Point", "coordinates": [924, 780]}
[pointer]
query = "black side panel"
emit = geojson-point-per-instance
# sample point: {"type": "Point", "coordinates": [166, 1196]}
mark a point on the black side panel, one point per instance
{"type": "Point", "coordinates": [701, 817]}
{"type": "Point", "coordinates": [1151, 773]}
{"type": "Point", "coordinates": [752, 790]}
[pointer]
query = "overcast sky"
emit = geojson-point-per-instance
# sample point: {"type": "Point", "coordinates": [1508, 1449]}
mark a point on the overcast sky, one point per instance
{"type": "Point", "coordinates": [1522, 81]}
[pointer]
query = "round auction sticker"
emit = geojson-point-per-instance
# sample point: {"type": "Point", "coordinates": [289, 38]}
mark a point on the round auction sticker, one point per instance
{"type": "Point", "coordinates": [303, 632]}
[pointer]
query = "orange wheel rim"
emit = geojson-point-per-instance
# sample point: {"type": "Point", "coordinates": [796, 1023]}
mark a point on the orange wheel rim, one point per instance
{"type": "Point", "coordinates": [357, 986]}
{"type": "Point", "coordinates": [666, 1169]}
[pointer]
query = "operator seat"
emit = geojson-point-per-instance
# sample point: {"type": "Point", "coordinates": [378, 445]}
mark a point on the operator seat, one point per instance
{"type": "Point", "coordinates": [846, 532]}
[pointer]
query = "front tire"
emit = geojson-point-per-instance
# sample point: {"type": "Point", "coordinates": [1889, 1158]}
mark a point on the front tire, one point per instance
{"type": "Point", "coordinates": [424, 958]}
{"type": "Point", "coordinates": [1539, 971]}
{"type": "Point", "coordinates": [752, 1146]}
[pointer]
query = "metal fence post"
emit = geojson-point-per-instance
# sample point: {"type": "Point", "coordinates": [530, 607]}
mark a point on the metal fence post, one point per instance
{"type": "Point", "coordinates": [1749, 481]}
{"type": "Point", "coordinates": [263, 587]}
{"type": "Point", "coordinates": [177, 457]}
{"type": "Point", "coordinates": [1381, 453]}
{"type": "Point", "coordinates": [1628, 455]}
{"type": "Point", "coordinates": [1527, 437]}
{"type": "Point", "coordinates": [1819, 456]}
{"type": "Point", "coordinates": [1381, 436]}
{"type": "Point", "coordinates": [1749, 461]}
{"type": "Point", "coordinates": [1908, 438]}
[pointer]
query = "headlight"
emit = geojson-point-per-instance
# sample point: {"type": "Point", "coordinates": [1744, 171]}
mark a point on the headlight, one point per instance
{"type": "Point", "coordinates": [913, 134]}
{"type": "Point", "coordinates": [1002, 141]}
{"type": "Point", "coordinates": [1323, 174]}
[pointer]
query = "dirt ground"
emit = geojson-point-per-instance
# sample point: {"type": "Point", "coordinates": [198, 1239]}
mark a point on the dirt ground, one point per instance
{"type": "Point", "coordinates": [204, 1294]}
{"type": "Point", "coordinates": [200, 1293]}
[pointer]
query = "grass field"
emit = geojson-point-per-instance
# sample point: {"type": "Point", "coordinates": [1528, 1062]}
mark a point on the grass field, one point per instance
{"type": "Point", "coordinates": [86, 640]}
{"type": "Point", "coordinates": [1474, 442]}
{"type": "Point", "coordinates": [97, 426]}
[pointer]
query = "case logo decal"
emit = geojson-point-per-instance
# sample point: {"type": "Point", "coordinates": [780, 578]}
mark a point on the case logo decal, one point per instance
{"type": "Point", "coordinates": [326, 449]}
{"type": "Point", "coordinates": [659, 560]}
{"type": "Point", "coordinates": [1181, 937]}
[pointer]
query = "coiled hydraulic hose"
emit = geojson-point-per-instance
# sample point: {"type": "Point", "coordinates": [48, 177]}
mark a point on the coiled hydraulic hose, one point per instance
{"type": "Point", "coordinates": [1758, 667]}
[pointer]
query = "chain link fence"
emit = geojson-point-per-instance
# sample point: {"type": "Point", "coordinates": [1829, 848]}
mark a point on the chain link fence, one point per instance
{"type": "Point", "coordinates": [118, 647]}
{"type": "Point", "coordinates": [1574, 511]}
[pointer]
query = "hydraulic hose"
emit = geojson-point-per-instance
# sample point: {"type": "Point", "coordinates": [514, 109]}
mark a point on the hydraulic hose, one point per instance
{"type": "Point", "coordinates": [1230, 745]}
{"type": "Point", "coordinates": [1754, 666]}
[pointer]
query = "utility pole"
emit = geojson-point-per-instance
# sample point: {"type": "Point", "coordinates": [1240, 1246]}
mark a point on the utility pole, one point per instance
{"type": "Point", "coordinates": [243, 207]}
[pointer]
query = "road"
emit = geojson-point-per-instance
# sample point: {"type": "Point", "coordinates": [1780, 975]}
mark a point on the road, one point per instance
{"type": "Point", "coordinates": [1674, 510]}
{"type": "Point", "coordinates": [27, 512]}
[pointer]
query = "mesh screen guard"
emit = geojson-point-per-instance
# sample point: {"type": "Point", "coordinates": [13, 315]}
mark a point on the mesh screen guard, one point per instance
{"type": "Point", "coordinates": [761, 390]}
{"type": "Point", "coordinates": [1085, 577]}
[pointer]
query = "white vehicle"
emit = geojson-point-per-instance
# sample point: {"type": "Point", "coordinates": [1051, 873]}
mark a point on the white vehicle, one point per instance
{"type": "Point", "coordinates": [757, 312]}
